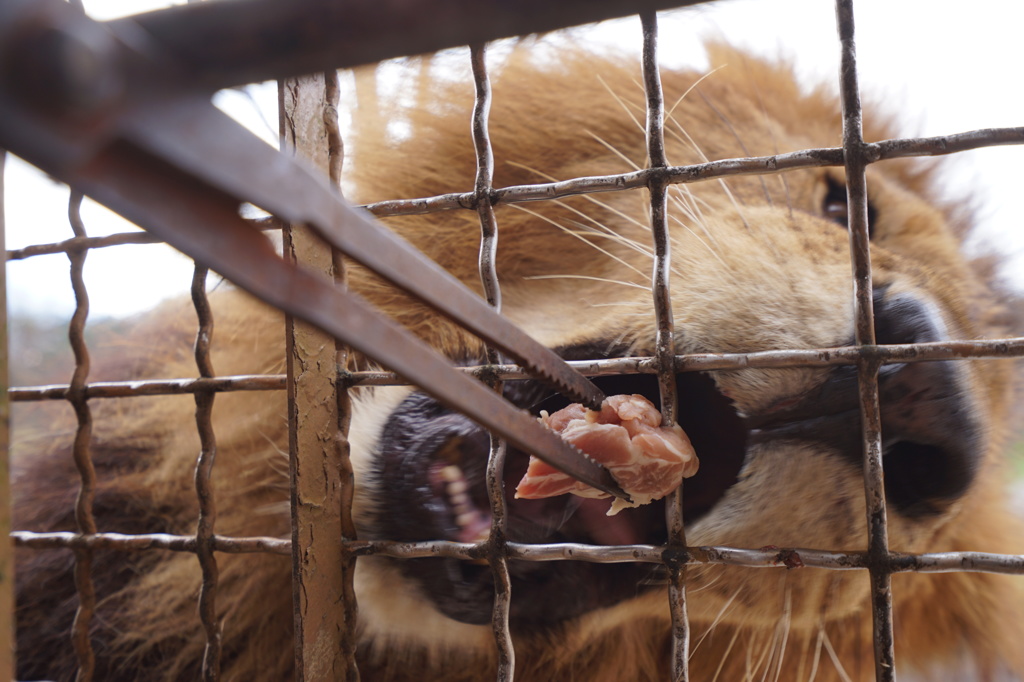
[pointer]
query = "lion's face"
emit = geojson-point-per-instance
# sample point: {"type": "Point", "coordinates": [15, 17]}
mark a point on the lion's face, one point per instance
{"type": "Point", "coordinates": [759, 264]}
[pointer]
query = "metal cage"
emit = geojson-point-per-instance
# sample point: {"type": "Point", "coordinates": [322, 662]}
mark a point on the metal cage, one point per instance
{"type": "Point", "coordinates": [316, 624]}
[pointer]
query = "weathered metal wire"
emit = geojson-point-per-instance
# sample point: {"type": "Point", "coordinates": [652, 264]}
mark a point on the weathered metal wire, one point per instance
{"type": "Point", "coordinates": [664, 340]}
{"type": "Point", "coordinates": [793, 558]}
{"type": "Point", "coordinates": [487, 265]}
{"type": "Point", "coordinates": [204, 490]}
{"type": "Point", "coordinates": [348, 606]}
{"type": "Point", "coordinates": [6, 549]}
{"type": "Point", "coordinates": [864, 325]}
{"type": "Point", "coordinates": [145, 541]}
{"type": "Point", "coordinates": [81, 451]}
{"type": "Point", "coordinates": [757, 165]}
{"type": "Point", "coordinates": [117, 239]}
{"type": "Point", "coordinates": [703, 362]}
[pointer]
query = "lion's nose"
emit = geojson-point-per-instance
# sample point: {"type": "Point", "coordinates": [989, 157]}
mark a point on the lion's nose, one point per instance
{"type": "Point", "coordinates": [931, 433]}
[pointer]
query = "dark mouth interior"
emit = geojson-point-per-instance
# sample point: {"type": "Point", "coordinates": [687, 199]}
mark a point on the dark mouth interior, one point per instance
{"type": "Point", "coordinates": [433, 464]}
{"type": "Point", "coordinates": [716, 431]}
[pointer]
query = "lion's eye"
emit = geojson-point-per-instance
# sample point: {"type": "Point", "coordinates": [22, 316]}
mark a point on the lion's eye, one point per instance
{"type": "Point", "coordinates": [834, 206]}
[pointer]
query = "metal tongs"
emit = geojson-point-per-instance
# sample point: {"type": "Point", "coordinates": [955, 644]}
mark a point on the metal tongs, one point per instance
{"type": "Point", "coordinates": [102, 108]}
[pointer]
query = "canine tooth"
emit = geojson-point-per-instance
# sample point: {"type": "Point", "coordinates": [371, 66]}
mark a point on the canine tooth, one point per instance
{"type": "Point", "coordinates": [466, 518]}
{"type": "Point", "coordinates": [451, 474]}
{"type": "Point", "coordinates": [457, 487]}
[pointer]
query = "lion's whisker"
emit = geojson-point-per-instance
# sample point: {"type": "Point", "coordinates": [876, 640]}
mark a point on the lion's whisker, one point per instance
{"type": "Point", "coordinates": [671, 110]}
{"type": "Point", "coordinates": [725, 655]}
{"type": "Point", "coordinates": [597, 202]}
{"type": "Point", "coordinates": [610, 147]}
{"type": "Point", "coordinates": [835, 657]}
{"type": "Point", "coordinates": [627, 107]}
{"type": "Point", "coordinates": [746, 152]}
{"type": "Point", "coordinates": [580, 235]}
{"type": "Point", "coordinates": [764, 662]}
{"type": "Point", "coordinates": [684, 136]}
{"type": "Point", "coordinates": [784, 624]}
{"type": "Point", "coordinates": [819, 640]}
{"type": "Point", "coordinates": [715, 622]}
{"type": "Point", "coordinates": [590, 277]}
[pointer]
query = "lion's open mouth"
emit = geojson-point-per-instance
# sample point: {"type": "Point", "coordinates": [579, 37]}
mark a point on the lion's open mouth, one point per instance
{"type": "Point", "coordinates": [433, 462]}
{"type": "Point", "coordinates": [432, 467]}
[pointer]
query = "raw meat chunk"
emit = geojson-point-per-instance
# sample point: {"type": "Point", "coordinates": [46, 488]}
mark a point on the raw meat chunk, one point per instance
{"type": "Point", "coordinates": [648, 460]}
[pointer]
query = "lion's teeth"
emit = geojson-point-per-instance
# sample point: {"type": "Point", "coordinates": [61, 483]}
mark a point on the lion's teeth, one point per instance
{"type": "Point", "coordinates": [452, 474]}
{"type": "Point", "coordinates": [474, 525]}
{"type": "Point", "coordinates": [457, 487]}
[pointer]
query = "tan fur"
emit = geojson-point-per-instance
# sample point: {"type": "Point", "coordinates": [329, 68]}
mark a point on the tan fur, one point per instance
{"type": "Point", "coordinates": [755, 268]}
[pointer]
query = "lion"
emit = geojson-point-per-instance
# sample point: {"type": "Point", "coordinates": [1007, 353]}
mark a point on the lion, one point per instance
{"type": "Point", "coordinates": [759, 263]}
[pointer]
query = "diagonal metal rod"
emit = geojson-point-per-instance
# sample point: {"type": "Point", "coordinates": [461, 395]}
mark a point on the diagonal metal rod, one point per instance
{"type": "Point", "coordinates": [225, 44]}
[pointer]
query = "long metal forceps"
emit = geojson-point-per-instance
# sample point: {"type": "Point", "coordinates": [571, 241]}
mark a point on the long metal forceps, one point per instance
{"type": "Point", "coordinates": [99, 107]}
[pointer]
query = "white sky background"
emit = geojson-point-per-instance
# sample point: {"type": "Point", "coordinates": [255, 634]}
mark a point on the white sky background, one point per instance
{"type": "Point", "coordinates": [945, 66]}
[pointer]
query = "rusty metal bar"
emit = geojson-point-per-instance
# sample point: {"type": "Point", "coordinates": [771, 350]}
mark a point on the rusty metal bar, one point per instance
{"type": "Point", "coordinates": [278, 40]}
{"type": "Point", "coordinates": [6, 548]}
{"type": "Point", "coordinates": [146, 541]}
{"type": "Point", "coordinates": [349, 606]}
{"type": "Point", "coordinates": [702, 362]}
{"type": "Point", "coordinates": [318, 443]}
{"type": "Point", "coordinates": [757, 165]}
{"type": "Point", "coordinates": [942, 144]}
{"type": "Point", "coordinates": [483, 184]}
{"type": "Point", "coordinates": [80, 451]}
{"type": "Point", "coordinates": [81, 244]}
{"type": "Point", "coordinates": [878, 151]}
{"type": "Point", "coordinates": [210, 670]}
{"type": "Point", "coordinates": [871, 421]}
{"type": "Point", "coordinates": [662, 267]}
{"type": "Point", "coordinates": [487, 266]}
{"type": "Point", "coordinates": [794, 557]}
{"type": "Point", "coordinates": [128, 389]}
{"type": "Point", "coordinates": [118, 239]}
{"type": "Point", "coordinates": [664, 342]}
{"type": "Point", "coordinates": [204, 490]}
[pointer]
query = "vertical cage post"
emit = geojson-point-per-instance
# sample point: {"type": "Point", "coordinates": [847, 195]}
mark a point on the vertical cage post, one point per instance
{"type": "Point", "coordinates": [80, 451]}
{"type": "Point", "coordinates": [204, 489]}
{"type": "Point", "coordinates": [497, 555]}
{"type": "Point", "coordinates": [874, 487]}
{"type": "Point", "coordinates": [318, 415]}
{"type": "Point", "coordinates": [204, 470]}
{"type": "Point", "coordinates": [675, 556]}
{"type": "Point", "coordinates": [6, 545]}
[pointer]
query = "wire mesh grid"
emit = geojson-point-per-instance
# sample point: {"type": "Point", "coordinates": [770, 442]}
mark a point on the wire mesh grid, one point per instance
{"type": "Point", "coordinates": [675, 555]}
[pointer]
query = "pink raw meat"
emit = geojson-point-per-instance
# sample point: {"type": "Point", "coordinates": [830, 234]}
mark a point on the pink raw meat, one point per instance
{"type": "Point", "coordinates": [648, 460]}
